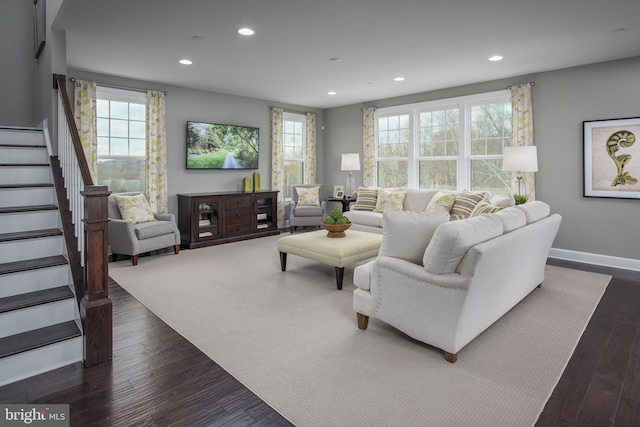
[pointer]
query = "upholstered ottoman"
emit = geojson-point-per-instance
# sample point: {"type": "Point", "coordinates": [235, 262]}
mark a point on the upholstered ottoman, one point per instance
{"type": "Point", "coordinates": [315, 245]}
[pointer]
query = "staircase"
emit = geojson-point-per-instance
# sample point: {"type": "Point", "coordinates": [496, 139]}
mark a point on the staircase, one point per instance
{"type": "Point", "coordinates": [39, 316]}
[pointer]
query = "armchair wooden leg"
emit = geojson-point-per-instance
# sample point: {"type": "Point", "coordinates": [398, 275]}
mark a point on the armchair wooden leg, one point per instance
{"type": "Point", "coordinates": [176, 249]}
{"type": "Point", "coordinates": [363, 321]}
{"type": "Point", "coordinates": [451, 358]}
{"type": "Point", "coordinates": [134, 259]}
{"type": "Point", "coordinates": [291, 227]}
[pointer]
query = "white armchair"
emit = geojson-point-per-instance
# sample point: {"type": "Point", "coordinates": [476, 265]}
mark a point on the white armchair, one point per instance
{"type": "Point", "coordinates": [310, 213]}
{"type": "Point", "coordinates": [127, 238]}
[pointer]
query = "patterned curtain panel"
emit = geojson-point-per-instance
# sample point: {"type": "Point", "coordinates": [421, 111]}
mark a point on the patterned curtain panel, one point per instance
{"type": "Point", "coordinates": [84, 111]}
{"type": "Point", "coordinates": [523, 134]}
{"type": "Point", "coordinates": [277, 162]}
{"type": "Point", "coordinates": [310, 149]}
{"type": "Point", "coordinates": [368, 147]}
{"type": "Point", "coordinates": [156, 153]}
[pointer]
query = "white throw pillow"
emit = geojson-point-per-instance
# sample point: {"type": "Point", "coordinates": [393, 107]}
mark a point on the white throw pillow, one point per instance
{"type": "Point", "coordinates": [308, 196]}
{"type": "Point", "coordinates": [452, 240]}
{"type": "Point", "coordinates": [388, 200]}
{"type": "Point", "coordinates": [405, 234]}
{"type": "Point", "coordinates": [134, 208]}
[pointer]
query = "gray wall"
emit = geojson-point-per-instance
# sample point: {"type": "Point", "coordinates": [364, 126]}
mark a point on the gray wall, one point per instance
{"type": "Point", "coordinates": [183, 104]}
{"type": "Point", "coordinates": [18, 66]}
{"type": "Point", "coordinates": [562, 99]}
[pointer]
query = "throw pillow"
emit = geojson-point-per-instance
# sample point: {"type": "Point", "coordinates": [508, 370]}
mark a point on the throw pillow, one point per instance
{"type": "Point", "coordinates": [388, 200]}
{"type": "Point", "coordinates": [406, 234]}
{"type": "Point", "coordinates": [135, 208]}
{"type": "Point", "coordinates": [484, 207]}
{"type": "Point", "coordinates": [465, 202]}
{"type": "Point", "coordinates": [366, 199]}
{"type": "Point", "coordinates": [441, 202]}
{"type": "Point", "coordinates": [308, 196]}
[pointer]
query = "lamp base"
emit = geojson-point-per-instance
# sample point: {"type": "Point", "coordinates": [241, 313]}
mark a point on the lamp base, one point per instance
{"type": "Point", "coordinates": [350, 187]}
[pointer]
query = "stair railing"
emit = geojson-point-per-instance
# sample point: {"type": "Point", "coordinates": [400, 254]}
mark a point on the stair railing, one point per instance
{"type": "Point", "coordinates": [83, 207]}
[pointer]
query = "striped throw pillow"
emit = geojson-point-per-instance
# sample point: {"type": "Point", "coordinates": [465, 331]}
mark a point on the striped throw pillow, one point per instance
{"type": "Point", "coordinates": [484, 207]}
{"type": "Point", "coordinates": [465, 202]}
{"type": "Point", "coordinates": [366, 199]}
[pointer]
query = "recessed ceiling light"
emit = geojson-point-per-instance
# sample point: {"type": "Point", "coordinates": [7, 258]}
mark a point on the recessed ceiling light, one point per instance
{"type": "Point", "coordinates": [246, 31]}
{"type": "Point", "coordinates": [332, 93]}
{"type": "Point", "coordinates": [495, 58]}
{"type": "Point", "coordinates": [185, 62]}
{"type": "Point", "coordinates": [398, 79]}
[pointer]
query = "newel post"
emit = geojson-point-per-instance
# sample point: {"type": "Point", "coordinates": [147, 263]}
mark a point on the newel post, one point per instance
{"type": "Point", "coordinates": [96, 307]}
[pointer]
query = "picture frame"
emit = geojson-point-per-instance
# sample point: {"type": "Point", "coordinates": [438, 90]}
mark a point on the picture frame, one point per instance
{"type": "Point", "coordinates": [39, 27]}
{"type": "Point", "coordinates": [338, 191]}
{"type": "Point", "coordinates": [611, 158]}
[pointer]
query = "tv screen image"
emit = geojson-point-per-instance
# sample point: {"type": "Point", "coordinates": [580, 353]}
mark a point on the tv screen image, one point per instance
{"type": "Point", "coordinates": [217, 146]}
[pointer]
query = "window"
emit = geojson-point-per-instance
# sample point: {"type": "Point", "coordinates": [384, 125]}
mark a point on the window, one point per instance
{"type": "Point", "coordinates": [450, 144]}
{"type": "Point", "coordinates": [294, 141]}
{"type": "Point", "coordinates": [122, 139]}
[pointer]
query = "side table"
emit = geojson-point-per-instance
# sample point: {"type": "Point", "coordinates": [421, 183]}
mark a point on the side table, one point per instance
{"type": "Point", "coordinates": [346, 201]}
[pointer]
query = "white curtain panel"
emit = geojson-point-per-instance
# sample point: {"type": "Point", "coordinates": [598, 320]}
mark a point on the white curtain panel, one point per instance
{"type": "Point", "coordinates": [156, 169]}
{"type": "Point", "coordinates": [84, 111]}
{"type": "Point", "coordinates": [522, 120]}
{"type": "Point", "coordinates": [310, 150]}
{"type": "Point", "coordinates": [277, 162]}
{"type": "Point", "coordinates": [368, 147]}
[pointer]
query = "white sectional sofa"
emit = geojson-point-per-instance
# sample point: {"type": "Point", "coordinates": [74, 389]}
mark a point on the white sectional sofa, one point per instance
{"type": "Point", "coordinates": [415, 200]}
{"type": "Point", "coordinates": [444, 282]}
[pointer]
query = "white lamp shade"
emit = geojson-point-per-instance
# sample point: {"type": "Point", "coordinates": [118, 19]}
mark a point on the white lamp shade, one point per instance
{"type": "Point", "coordinates": [350, 162]}
{"type": "Point", "coordinates": [520, 159]}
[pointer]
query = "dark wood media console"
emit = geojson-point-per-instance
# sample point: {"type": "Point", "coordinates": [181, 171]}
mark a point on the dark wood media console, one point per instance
{"type": "Point", "coordinates": [207, 219]}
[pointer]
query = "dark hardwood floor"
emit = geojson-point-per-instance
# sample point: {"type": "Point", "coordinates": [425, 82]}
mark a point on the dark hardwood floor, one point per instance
{"type": "Point", "coordinates": [157, 378]}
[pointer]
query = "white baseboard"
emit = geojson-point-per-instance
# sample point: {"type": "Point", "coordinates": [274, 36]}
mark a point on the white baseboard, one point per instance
{"type": "Point", "coordinates": [595, 259]}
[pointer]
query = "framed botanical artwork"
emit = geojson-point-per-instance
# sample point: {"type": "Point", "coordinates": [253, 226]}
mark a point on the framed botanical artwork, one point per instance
{"type": "Point", "coordinates": [338, 191]}
{"type": "Point", "coordinates": [612, 158]}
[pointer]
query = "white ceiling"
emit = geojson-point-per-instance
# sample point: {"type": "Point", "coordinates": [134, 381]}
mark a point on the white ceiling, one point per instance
{"type": "Point", "coordinates": [434, 44]}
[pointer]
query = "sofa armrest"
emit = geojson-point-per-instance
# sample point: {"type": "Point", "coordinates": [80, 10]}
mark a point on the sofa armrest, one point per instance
{"type": "Point", "coordinates": [419, 274]}
{"type": "Point", "coordinates": [122, 237]}
{"type": "Point", "coordinates": [166, 217]}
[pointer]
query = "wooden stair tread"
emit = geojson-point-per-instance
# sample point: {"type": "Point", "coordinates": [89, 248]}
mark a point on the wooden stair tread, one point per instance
{"type": "Point", "coordinates": [40, 184]}
{"type": "Point", "coordinates": [33, 208]}
{"type": "Point", "coordinates": [33, 234]}
{"type": "Point", "coordinates": [23, 146]}
{"type": "Point", "coordinates": [25, 164]}
{"type": "Point", "coordinates": [32, 299]}
{"type": "Point", "coordinates": [37, 338]}
{"type": "Point", "coordinates": [32, 264]}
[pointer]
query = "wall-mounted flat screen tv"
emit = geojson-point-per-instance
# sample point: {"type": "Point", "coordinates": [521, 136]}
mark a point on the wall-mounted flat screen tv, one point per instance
{"type": "Point", "coordinates": [216, 146]}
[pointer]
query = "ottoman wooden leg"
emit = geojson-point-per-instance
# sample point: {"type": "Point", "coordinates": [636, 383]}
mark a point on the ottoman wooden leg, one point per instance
{"type": "Point", "coordinates": [283, 261]}
{"type": "Point", "coordinates": [339, 277]}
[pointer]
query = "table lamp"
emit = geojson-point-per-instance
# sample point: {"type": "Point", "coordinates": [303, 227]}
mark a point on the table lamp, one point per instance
{"type": "Point", "coordinates": [520, 159]}
{"type": "Point", "coordinates": [350, 162]}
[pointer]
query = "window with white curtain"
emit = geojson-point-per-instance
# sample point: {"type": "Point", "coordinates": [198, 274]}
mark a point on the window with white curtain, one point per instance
{"type": "Point", "coordinates": [122, 138]}
{"type": "Point", "coordinates": [451, 144]}
{"type": "Point", "coordinates": [293, 141]}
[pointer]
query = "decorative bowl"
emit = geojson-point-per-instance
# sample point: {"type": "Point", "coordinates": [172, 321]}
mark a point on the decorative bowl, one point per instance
{"type": "Point", "coordinates": [335, 230]}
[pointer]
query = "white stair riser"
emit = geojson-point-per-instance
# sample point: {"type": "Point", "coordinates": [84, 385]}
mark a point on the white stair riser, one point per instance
{"type": "Point", "coordinates": [40, 360]}
{"type": "Point", "coordinates": [25, 175]}
{"type": "Point", "coordinates": [18, 250]}
{"type": "Point", "coordinates": [39, 316]}
{"type": "Point", "coordinates": [23, 155]}
{"type": "Point", "coordinates": [34, 280]}
{"type": "Point", "coordinates": [21, 137]}
{"type": "Point", "coordinates": [27, 221]}
{"type": "Point", "coordinates": [27, 196]}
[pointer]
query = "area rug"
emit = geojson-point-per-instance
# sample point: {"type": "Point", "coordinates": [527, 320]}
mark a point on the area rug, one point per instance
{"type": "Point", "coordinates": [291, 338]}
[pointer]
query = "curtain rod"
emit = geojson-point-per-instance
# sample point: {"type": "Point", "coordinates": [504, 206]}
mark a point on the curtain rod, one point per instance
{"type": "Point", "coordinates": [72, 79]}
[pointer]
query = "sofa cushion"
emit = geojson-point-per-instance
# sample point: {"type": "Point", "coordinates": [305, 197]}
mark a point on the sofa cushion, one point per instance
{"type": "Point", "coordinates": [370, 218]}
{"type": "Point", "coordinates": [417, 199]}
{"type": "Point", "coordinates": [306, 211]}
{"type": "Point", "coordinates": [366, 199]}
{"type": "Point", "coordinates": [484, 207]}
{"type": "Point", "coordinates": [406, 234]}
{"type": "Point", "coordinates": [453, 239]}
{"type": "Point", "coordinates": [535, 211]}
{"type": "Point", "coordinates": [465, 202]}
{"type": "Point", "coordinates": [512, 218]}
{"type": "Point", "coordinates": [308, 196]}
{"type": "Point", "coordinates": [146, 230]}
{"type": "Point", "coordinates": [502, 201]}
{"type": "Point", "coordinates": [134, 208]}
{"type": "Point", "coordinates": [389, 200]}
